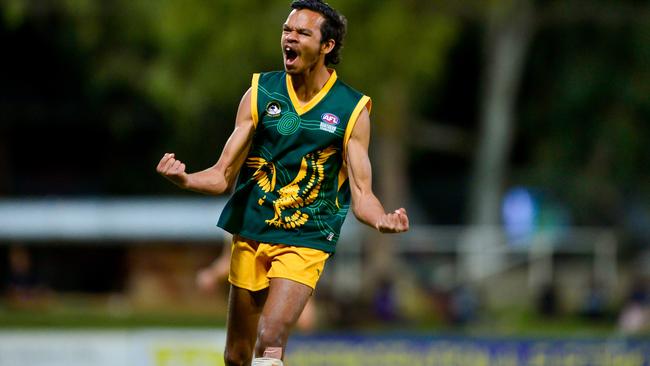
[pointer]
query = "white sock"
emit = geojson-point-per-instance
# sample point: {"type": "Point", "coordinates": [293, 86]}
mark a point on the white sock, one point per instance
{"type": "Point", "coordinates": [266, 361]}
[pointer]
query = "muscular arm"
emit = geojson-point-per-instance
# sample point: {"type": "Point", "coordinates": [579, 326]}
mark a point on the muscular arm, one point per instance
{"type": "Point", "coordinates": [221, 176]}
{"type": "Point", "coordinates": [365, 205]}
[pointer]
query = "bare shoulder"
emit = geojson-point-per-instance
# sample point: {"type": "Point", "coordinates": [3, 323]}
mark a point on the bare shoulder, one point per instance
{"type": "Point", "coordinates": [361, 130]}
{"type": "Point", "coordinates": [244, 112]}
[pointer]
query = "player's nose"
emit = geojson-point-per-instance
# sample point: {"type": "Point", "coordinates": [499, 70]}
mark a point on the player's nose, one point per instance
{"type": "Point", "coordinates": [291, 37]}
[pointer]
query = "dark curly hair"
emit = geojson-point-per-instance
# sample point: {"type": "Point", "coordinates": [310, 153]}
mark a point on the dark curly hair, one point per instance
{"type": "Point", "coordinates": [334, 26]}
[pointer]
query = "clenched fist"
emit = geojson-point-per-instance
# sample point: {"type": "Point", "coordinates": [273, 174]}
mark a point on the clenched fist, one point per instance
{"type": "Point", "coordinates": [394, 222]}
{"type": "Point", "coordinates": [172, 169]}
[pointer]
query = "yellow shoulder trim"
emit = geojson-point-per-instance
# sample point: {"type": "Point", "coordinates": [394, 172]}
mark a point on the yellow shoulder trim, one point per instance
{"type": "Point", "coordinates": [254, 86]}
{"type": "Point", "coordinates": [302, 109]}
{"type": "Point", "coordinates": [365, 101]}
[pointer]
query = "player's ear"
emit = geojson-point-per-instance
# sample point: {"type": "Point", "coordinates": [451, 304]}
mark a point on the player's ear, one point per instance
{"type": "Point", "coordinates": [328, 46]}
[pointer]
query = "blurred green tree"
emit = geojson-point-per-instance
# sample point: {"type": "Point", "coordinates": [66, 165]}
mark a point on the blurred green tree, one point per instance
{"type": "Point", "coordinates": [585, 107]}
{"type": "Point", "coordinates": [395, 50]}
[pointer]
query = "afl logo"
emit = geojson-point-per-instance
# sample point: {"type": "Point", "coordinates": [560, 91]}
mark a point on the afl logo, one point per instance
{"type": "Point", "coordinates": [330, 118]}
{"type": "Point", "coordinates": [273, 109]}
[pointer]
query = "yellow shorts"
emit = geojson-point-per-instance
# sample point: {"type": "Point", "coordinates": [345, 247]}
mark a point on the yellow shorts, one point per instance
{"type": "Point", "coordinates": [253, 264]}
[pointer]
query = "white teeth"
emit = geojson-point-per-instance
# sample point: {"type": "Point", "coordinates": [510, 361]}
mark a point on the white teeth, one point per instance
{"type": "Point", "coordinates": [287, 49]}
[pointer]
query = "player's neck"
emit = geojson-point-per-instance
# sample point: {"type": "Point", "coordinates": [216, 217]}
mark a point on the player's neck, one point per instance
{"type": "Point", "coordinates": [307, 84]}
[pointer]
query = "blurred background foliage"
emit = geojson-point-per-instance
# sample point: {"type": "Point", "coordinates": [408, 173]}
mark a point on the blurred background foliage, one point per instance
{"type": "Point", "coordinates": [104, 88]}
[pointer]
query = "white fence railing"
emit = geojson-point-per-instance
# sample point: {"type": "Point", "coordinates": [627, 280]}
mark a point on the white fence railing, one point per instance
{"type": "Point", "coordinates": [103, 220]}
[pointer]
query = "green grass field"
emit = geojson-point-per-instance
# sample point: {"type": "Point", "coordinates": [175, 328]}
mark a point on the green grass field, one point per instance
{"type": "Point", "coordinates": [507, 324]}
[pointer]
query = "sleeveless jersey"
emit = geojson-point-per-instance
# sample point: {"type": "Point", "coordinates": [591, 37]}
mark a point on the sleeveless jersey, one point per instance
{"type": "Point", "coordinates": [293, 187]}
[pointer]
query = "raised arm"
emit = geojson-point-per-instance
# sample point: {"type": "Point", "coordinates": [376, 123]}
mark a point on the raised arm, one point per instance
{"type": "Point", "coordinates": [365, 205]}
{"type": "Point", "coordinates": [220, 177]}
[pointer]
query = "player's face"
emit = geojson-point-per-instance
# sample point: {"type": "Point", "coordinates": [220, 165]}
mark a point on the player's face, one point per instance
{"type": "Point", "coordinates": [301, 41]}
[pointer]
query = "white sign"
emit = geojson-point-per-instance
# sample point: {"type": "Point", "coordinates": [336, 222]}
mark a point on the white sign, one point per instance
{"type": "Point", "coordinates": [111, 348]}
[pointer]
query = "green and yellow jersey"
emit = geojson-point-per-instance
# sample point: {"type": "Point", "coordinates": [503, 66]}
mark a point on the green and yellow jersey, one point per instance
{"type": "Point", "coordinates": [293, 187]}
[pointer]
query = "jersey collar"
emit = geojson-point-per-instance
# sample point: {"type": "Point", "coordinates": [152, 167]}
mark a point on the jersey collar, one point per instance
{"type": "Point", "coordinates": [302, 109]}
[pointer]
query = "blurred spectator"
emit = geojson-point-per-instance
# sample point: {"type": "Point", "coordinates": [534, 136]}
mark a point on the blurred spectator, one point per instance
{"type": "Point", "coordinates": [547, 301]}
{"type": "Point", "coordinates": [464, 305]}
{"type": "Point", "coordinates": [519, 214]}
{"type": "Point", "coordinates": [214, 277]}
{"type": "Point", "coordinates": [635, 316]}
{"type": "Point", "coordinates": [22, 284]}
{"type": "Point", "coordinates": [384, 304]}
{"type": "Point", "coordinates": [595, 303]}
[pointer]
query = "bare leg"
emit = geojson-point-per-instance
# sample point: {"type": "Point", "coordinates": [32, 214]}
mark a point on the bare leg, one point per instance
{"type": "Point", "coordinates": [286, 300]}
{"type": "Point", "coordinates": [244, 308]}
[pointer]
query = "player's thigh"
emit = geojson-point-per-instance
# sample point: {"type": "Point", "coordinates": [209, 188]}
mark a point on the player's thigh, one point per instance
{"type": "Point", "coordinates": [244, 309]}
{"type": "Point", "coordinates": [284, 304]}
{"type": "Point", "coordinates": [300, 264]}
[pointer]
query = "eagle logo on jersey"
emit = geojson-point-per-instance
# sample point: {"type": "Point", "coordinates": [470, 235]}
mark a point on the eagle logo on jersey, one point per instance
{"type": "Point", "coordinates": [301, 192]}
{"type": "Point", "coordinates": [263, 169]}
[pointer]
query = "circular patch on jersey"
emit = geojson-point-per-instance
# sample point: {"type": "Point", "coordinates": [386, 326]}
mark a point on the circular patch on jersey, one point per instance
{"type": "Point", "coordinates": [273, 108]}
{"type": "Point", "coordinates": [289, 123]}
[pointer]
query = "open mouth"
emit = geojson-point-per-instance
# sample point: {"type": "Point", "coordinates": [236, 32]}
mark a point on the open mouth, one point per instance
{"type": "Point", "coordinates": [290, 55]}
